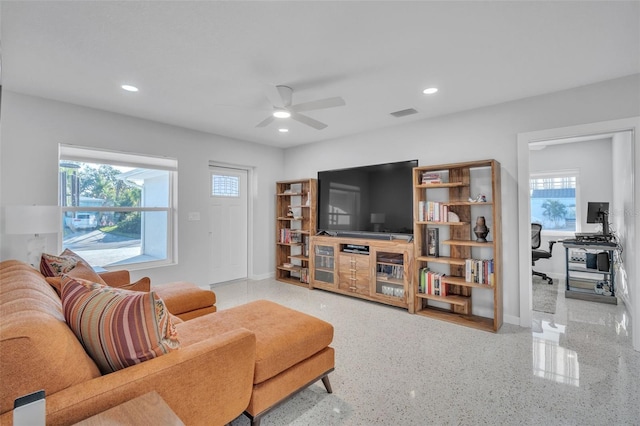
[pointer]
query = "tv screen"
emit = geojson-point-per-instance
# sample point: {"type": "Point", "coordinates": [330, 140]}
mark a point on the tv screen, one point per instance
{"type": "Point", "coordinates": [376, 198]}
{"type": "Point", "coordinates": [596, 211]}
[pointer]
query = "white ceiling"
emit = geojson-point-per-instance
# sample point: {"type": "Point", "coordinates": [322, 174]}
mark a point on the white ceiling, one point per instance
{"type": "Point", "coordinates": [205, 65]}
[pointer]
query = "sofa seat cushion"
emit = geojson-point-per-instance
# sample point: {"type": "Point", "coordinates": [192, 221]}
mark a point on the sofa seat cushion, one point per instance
{"type": "Point", "coordinates": [284, 337]}
{"type": "Point", "coordinates": [181, 297]}
{"type": "Point", "coordinates": [118, 328]}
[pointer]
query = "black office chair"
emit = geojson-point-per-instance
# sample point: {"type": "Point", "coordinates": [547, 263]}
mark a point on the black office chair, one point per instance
{"type": "Point", "coordinates": [536, 253]}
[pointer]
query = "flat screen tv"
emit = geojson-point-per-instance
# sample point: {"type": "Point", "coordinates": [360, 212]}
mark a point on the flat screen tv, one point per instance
{"type": "Point", "coordinates": [367, 199]}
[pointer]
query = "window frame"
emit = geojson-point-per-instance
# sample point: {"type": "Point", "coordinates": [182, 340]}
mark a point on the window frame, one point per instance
{"type": "Point", "coordinates": [560, 174]}
{"type": "Point", "coordinates": [124, 159]}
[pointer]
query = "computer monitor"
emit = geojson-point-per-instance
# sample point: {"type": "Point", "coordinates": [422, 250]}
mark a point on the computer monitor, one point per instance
{"type": "Point", "coordinates": [598, 212]}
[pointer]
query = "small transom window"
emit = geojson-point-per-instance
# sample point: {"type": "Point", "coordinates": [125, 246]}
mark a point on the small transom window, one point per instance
{"type": "Point", "coordinates": [225, 186]}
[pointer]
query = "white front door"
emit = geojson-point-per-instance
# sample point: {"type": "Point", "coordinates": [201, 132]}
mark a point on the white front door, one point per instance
{"type": "Point", "coordinates": [228, 224]}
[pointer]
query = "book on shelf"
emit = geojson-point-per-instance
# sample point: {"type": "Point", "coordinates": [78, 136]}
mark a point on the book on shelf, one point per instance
{"type": "Point", "coordinates": [385, 272]}
{"type": "Point", "coordinates": [432, 283]}
{"type": "Point", "coordinates": [304, 275]}
{"type": "Point", "coordinates": [433, 242]}
{"type": "Point", "coordinates": [479, 271]}
{"type": "Point", "coordinates": [433, 211]}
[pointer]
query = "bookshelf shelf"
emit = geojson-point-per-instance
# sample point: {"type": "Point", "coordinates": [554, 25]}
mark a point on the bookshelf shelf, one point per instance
{"type": "Point", "coordinates": [443, 223]}
{"type": "Point", "coordinates": [457, 253]}
{"type": "Point", "coordinates": [454, 300]}
{"type": "Point", "coordinates": [295, 223]}
{"type": "Point", "coordinates": [442, 259]}
{"type": "Point", "coordinates": [463, 282]}
{"type": "Point", "coordinates": [468, 243]}
{"type": "Point", "coordinates": [473, 321]}
{"type": "Point", "coordinates": [442, 185]}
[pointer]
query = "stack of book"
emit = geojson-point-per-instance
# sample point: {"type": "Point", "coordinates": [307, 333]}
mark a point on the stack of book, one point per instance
{"type": "Point", "coordinates": [432, 283]}
{"type": "Point", "coordinates": [479, 271]}
{"type": "Point", "coordinates": [431, 177]}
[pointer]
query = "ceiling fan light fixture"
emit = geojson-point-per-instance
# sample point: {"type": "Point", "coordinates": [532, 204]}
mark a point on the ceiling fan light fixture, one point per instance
{"type": "Point", "coordinates": [129, 88]}
{"type": "Point", "coordinates": [430, 90]}
{"type": "Point", "coordinates": [281, 113]}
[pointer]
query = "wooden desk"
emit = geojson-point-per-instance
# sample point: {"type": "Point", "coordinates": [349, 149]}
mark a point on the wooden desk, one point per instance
{"type": "Point", "coordinates": [149, 409]}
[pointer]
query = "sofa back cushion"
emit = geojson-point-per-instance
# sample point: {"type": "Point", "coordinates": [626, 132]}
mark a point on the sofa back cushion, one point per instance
{"type": "Point", "coordinates": [37, 348]}
{"type": "Point", "coordinates": [118, 328]}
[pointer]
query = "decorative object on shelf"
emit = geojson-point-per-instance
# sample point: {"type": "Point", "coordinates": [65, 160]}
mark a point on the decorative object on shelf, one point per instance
{"type": "Point", "coordinates": [452, 217]}
{"type": "Point", "coordinates": [289, 212]}
{"type": "Point", "coordinates": [480, 198]}
{"type": "Point", "coordinates": [433, 242]}
{"type": "Point", "coordinates": [481, 230]}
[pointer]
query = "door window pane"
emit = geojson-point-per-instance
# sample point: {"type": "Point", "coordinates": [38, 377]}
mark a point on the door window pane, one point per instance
{"type": "Point", "coordinates": [225, 186]}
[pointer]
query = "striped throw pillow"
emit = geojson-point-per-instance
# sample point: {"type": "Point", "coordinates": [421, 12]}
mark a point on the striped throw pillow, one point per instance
{"type": "Point", "coordinates": [118, 328]}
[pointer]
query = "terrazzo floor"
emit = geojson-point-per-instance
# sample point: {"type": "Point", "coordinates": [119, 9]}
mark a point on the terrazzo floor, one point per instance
{"type": "Point", "coordinates": [574, 367]}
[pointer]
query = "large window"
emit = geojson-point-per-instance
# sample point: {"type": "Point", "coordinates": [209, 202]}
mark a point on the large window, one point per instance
{"type": "Point", "coordinates": [554, 200]}
{"type": "Point", "coordinates": [117, 208]}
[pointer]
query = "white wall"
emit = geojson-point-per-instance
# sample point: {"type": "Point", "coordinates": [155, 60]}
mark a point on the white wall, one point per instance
{"type": "Point", "coordinates": [593, 160]}
{"type": "Point", "coordinates": [478, 134]}
{"type": "Point", "coordinates": [624, 218]}
{"type": "Point", "coordinates": [33, 127]}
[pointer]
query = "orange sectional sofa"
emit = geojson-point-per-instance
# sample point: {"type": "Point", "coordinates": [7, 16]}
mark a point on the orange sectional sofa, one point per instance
{"type": "Point", "coordinates": [245, 359]}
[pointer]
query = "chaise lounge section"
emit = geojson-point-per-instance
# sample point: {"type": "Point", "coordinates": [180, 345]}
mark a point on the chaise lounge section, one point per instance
{"type": "Point", "coordinates": [245, 359]}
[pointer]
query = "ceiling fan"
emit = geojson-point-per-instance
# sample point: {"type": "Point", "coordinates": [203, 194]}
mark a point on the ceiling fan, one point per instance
{"type": "Point", "coordinates": [280, 98]}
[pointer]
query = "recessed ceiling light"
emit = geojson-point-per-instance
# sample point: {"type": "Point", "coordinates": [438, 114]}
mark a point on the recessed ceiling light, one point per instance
{"type": "Point", "coordinates": [281, 113]}
{"type": "Point", "coordinates": [129, 88]}
{"type": "Point", "coordinates": [283, 130]}
{"type": "Point", "coordinates": [430, 90]}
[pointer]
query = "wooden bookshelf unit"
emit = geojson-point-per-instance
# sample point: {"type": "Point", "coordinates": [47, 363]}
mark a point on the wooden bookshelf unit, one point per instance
{"type": "Point", "coordinates": [295, 224]}
{"type": "Point", "coordinates": [367, 268]}
{"type": "Point", "coordinates": [451, 198]}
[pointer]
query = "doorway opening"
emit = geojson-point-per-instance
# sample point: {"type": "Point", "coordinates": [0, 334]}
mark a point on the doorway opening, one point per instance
{"type": "Point", "coordinates": [625, 192]}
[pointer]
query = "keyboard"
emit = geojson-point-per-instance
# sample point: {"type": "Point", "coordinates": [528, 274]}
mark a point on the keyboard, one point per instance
{"type": "Point", "coordinates": [593, 243]}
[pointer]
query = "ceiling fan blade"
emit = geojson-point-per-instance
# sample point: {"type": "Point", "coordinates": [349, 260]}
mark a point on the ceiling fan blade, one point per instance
{"type": "Point", "coordinates": [266, 121]}
{"type": "Point", "coordinates": [286, 94]}
{"type": "Point", "coordinates": [308, 121]}
{"type": "Point", "coordinates": [274, 96]}
{"type": "Point", "coordinates": [319, 104]}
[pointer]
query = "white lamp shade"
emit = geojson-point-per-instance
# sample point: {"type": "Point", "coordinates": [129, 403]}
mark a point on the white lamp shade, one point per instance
{"type": "Point", "coordinates": [32, 220]}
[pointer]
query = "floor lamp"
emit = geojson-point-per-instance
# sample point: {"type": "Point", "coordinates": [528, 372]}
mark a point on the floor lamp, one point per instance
{"type": "Point", "coordinates": [33, 220]}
